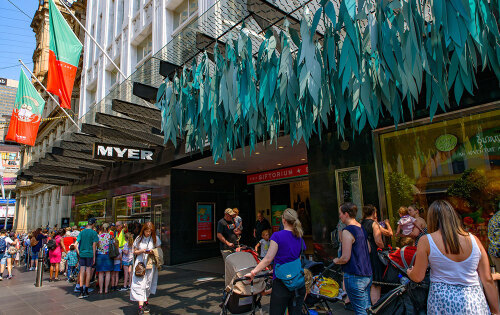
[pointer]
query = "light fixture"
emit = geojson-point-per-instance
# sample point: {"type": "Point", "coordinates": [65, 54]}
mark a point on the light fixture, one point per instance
{"type": "Point", "coordinates": [257, 153]}
{"type": "Point", "coordinates": [302, 159]}
{"type": "Point", "coordinates": [281, 147]}
{"type": "Point", "coordinates": [216, 163]}
{"type": "Point", "coordinates": [200, 166]}
{"type": "Point", "coordinates": [234, 159]}
{"type": "Point", "coordinates": [279, 164]}
{"type": "Point", "coordinates": [243, 171]}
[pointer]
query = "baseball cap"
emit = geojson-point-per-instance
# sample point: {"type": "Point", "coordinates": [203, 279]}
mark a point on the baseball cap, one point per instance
{"type": "Point", "coordinates": [92, 221]}
{"type": "Point", "coordinates": [229, 211]}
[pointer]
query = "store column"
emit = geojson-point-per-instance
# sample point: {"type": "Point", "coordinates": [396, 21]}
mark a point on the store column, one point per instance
{"type": "Point", "coordinates": [45, 203]}
{"type": "Point", "coordinates": [53, 209]}
{"type": "Point", "coordinates": [38, 209]}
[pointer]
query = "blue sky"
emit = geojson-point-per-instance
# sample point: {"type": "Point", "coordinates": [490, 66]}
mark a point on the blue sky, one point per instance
{"type": "Point", "coordinates": [17, 39]}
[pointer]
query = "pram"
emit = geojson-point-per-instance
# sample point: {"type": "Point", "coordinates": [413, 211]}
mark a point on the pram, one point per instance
{"type": "Point", "coordinates": [240, 295]}
{"type": "Point", "coordinates": [317, 272]}
{"type": "Point", "coordinates": [407, 298]}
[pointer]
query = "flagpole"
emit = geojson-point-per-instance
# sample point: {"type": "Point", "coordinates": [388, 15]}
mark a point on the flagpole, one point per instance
{"type": "Point", "coordinates": [51, 96]}
{"type": "Point", "coordinates": [93, 39]}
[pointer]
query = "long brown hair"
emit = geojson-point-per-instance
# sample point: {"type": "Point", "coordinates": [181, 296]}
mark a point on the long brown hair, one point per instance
{"type": "Point", "coordinates": [148, 226]}
{"type": "Point", "coordinates": [36, 232]}
{"type": "Point", "coordinates": [441, 216]}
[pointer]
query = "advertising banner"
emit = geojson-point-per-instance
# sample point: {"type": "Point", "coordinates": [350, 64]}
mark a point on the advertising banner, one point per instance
{"type": "Point", "coordinates": [144, 200]}
{"type": "Point", "coordinates": [130, 201]}
{"type": "Point", "coordinates": [276, 212]}
{"type": "Point", "coordinates": [10, 214]}
{"type": "Point", "coordinates": [205, 222]}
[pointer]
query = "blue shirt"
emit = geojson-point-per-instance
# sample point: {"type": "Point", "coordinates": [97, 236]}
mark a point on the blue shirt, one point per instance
{"type": "Point", "coordinates": [359, 263]}
{"type": "Point", "coordinates": [72, 258]}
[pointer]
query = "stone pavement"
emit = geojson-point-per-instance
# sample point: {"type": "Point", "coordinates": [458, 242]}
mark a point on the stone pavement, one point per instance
{"type": "Point", "coordinates": [194, 288]}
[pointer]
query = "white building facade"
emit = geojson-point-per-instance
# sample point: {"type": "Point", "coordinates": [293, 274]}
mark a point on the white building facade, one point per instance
{"type": "Point", "coordinates": [130, 31]}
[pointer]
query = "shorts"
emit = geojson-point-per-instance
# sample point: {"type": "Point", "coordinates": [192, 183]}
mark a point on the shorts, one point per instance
{"type": "Point", "coordinates": [3, 259]}
{"type": "Point", "coordinates": [86, 261]}
{"type": "Point", "coordinates": [117, 267]}
{"type": "Point", "coordinates": [34, 255]}
{"type": "Point", "coordinates": [127, 263]}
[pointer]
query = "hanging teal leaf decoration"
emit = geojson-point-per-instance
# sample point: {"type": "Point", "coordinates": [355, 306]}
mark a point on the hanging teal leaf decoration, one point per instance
{"type": "Point", "coordinates": [352, 75]}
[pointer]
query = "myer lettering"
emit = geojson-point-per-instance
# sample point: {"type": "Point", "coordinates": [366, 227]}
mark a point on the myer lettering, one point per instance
{"type": "Point", "coordinates": [114, 152]}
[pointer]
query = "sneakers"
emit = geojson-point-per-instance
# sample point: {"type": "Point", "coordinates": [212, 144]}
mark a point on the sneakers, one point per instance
{"type": "Point", "coordinates": [1, 278]}
{"type": "Point", "coordinates": [86, 293]}
{"type": "Point", "coordinates": [10, 277]}
{"type": "Point", "coordinates": [145, 307]}
{"type": "Point", "coordinates": [89, 290]}
{"type": "Point", "coordinates": [141, 311]}
{"type": "Point", "coordinates": [77, 288]}
{"type": "Point", "coordinates": [123, 289]}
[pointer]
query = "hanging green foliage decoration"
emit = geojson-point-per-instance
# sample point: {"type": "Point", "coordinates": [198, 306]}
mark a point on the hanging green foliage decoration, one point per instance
{"type": "Point", "coordinates": [372, 59]}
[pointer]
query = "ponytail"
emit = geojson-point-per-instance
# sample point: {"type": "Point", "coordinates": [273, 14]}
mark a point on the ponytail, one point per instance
{"type": "Point", "coordinates": [290, 216]}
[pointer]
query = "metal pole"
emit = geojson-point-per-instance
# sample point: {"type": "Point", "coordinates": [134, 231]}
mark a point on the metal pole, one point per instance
{"type": "Point", "coordinates": [6, 202]}
{"type": "Point", "coordinates": [39, 269]}
{"type": "Point", "coordinates": [51, 96]}
{"type": "Point", "coordinates": [93, 39]}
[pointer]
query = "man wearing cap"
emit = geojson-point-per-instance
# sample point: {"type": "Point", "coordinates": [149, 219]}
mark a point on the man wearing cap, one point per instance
{"type": "Point", "coordinates": [225, 233]}
{"type": "Point", "coordinates": [86, 244]}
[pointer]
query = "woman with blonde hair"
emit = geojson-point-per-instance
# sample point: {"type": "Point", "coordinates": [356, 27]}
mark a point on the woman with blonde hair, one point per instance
{"type": "Point", "coordinates": [286, 246]}
{"type": "Point", "coordinates": [143, 286]}
{"type": "Point", "coordinates": [459, 265]}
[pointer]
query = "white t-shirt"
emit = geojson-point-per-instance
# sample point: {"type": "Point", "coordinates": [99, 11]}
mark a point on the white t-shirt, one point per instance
{"type": "Point", "coordinates": [264, 247]}
{"type": "Point", "coordinates": [8, 241]}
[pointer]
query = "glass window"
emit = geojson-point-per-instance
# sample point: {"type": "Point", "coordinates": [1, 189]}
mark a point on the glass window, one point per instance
{"type": "Point", "coordinates": [136, 6]}
{"type": "Point", "coordinates": [121, 13]}
{"type": "Point", "coordinates": [456, 159]}
{"type": "Point", "coordinates": [111, 22]}
{"type": "Point", "coordinates": [95, 209]}
{"type": "Point", "coordinates": [98, 33]}
{"type": "Point", "coordinates": [185, 10]}
{"type": "Point", "coordinates": [133, 207]}
{"type": "Point", "coordinates": [144, 48]}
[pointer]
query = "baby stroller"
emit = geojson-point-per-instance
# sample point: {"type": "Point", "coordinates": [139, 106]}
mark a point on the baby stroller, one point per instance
{"type": "Point", "coordinates": [407, 298]}
{"type": "Point", "coordinates": [240, 295]}
{"type": "Point", "coordinates": [315, 272]}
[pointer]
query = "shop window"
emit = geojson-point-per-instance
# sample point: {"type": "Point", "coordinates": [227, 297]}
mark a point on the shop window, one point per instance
{"type": "Point", "coordinates": [184, 11]}
{"type": "Point", "coordinates": [95, 209]}
{"type": "Point", "coordinates": [144, 48]}
{"type": "Point", "coordinates": [133, 207]}
{"type": "Point", "coordinates": [456, 159]}
{"type": "Point", "coordinates": [121, 13]}
{"type": "Point", "coordinates": [111, 21]}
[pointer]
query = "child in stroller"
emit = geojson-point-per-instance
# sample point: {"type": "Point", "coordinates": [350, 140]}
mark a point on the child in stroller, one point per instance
{"type": "Point", "coordinates": [408, 297]}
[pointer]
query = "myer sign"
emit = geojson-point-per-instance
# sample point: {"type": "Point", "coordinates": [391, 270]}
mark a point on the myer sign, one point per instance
{"type": "Point", "coordinates": [121, 153]}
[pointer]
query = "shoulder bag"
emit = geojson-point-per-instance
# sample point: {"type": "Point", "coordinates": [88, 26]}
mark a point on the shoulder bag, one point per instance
{"type": "Point", "coordinates": [292, 273]}
{"type": "Point", "coordinates": [113, 251]}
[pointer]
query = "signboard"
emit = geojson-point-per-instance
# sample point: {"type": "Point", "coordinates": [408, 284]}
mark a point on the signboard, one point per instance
{"type": "Point", "coordinates": [10, 201]}
{"type": "Point", "coordinates": [3, 81]}
{"type": "Point", "coordinates": [284, 173]}
{"type": "Point", "coordinates": [83, 223]}
{"type": "Point", "coordinates": [9, 180]}
{"type": "Point", "coordinates": [121, 153]}
{"type": "Point", "coordinates": [10, 160]}
{"type": "Point", "coordinates": [10, 214]}
{"type": "Point", "coordinates": [205, 224]}
{"type": "Point", "coordinates": [276, 212]}
{"type": "Point", "coordinates": [144, 200]}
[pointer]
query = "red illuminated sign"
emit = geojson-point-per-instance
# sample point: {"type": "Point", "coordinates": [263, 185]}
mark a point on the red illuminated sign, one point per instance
{"type": "Point", "coordinates": [284, 173]}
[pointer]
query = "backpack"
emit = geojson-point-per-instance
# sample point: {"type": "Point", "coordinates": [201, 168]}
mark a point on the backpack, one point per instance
{"type": "Point", "coordinates": [3, 245]}
{"type": "Point", "coordinates": [51, 245]}
{"type": "Point", "coordinates": [33, 242]}
{"type": "Point", "coordinates": [113, 251]}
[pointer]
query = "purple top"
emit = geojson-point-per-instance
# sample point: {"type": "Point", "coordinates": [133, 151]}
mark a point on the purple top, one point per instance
{"type": "Point", "coordinates": [289, 247]}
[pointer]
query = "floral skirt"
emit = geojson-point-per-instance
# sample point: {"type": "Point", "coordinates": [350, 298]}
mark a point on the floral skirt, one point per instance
{"type": "Point", "coordinates": [454, 299]}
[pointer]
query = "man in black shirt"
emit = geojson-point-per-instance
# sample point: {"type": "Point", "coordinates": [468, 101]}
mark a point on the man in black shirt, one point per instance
{"type": "Point", "coordinates": [261, 225]}
{"type": "Point", "coordinates": [225, 233]}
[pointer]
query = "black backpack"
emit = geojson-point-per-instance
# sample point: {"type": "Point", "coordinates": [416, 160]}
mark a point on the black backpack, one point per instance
{"type": "Point", "coordinates": [3, 245]}
{"type": "Point", "coordinates": [51, 245]}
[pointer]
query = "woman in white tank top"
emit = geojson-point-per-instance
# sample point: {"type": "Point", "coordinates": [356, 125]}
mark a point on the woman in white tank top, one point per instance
{"type": "Point", "coordinates": [459, 265]}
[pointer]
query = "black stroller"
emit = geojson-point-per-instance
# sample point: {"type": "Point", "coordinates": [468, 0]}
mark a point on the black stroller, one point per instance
{"type": "Point", "coordinates": [409, 298]}
{"type": "Point", "coordinates": [315, 299]}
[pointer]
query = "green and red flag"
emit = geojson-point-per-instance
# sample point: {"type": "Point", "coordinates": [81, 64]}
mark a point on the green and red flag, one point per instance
{"type": "Point", "coordinates": [27, 113]}
{"type": "Point", "coordinates": [64, 55]}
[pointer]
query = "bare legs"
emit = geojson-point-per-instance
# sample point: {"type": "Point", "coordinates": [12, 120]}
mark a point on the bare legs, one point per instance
{"type": "Point", "coordinates": [375, 293]}
{"type": "Point", "coordinates": [104, 278]}
{"type": "Point", "coordinates": [127, 272]}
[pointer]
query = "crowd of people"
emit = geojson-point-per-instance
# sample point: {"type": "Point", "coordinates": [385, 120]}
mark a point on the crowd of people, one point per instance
{"type": "Point", "coordinates": [93, 254]}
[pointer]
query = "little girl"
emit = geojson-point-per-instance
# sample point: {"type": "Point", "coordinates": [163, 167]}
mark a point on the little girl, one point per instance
{"type": "Point", "coordinates": [127, 257]}
{"type": "Point", "coordinates": [115, 274]}
{"type": "Point", "coordinates": [264, 244]}
{"type": "Point", "coordinates": [406, 223]}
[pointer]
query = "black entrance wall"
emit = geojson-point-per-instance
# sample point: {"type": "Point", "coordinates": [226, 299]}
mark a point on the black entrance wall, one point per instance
{"type": "Point", "coordinates": [188, 188]}
{"type": "Point", "coordinates": [324, 157]}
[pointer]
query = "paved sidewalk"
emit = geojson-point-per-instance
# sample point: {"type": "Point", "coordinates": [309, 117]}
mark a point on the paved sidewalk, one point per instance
{"type": "Point", "coordinates": [184, 289]}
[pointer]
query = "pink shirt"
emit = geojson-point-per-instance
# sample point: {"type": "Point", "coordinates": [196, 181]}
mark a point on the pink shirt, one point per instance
{"type": "Point", "coordinates": [406, 224]}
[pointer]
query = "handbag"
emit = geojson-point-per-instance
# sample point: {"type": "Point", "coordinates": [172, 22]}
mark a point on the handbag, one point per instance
{"type": "Point", "coordinates": [113, 251]}
{"type": "Point", "coordinates": [140, 269]}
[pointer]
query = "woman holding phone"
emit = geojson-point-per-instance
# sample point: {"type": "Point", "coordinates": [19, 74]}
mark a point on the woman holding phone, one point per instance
{"type": "Point", "coordinates": [143, 286]}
